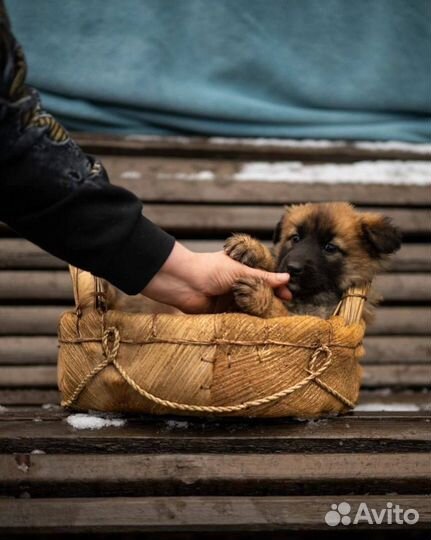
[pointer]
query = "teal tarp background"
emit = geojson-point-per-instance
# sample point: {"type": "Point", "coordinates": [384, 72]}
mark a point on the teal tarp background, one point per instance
{"type": "Point", "coordinates": [277, 68]}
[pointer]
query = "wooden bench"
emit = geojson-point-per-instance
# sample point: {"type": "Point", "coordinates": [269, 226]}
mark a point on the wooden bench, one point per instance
{"type": "Point", "coordinates": [197, 475]}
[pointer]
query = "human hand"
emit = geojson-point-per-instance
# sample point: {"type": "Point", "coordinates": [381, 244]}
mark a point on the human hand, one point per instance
{"type": "Point", "coordinates": [194, 282]}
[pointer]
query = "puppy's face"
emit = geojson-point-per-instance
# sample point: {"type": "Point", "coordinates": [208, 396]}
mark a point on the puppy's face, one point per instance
{"type": "Point", "coordinates": [328, 247]}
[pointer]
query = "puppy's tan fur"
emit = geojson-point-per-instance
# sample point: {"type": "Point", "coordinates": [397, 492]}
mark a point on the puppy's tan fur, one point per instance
{"type": "Point", "coordinates": [363, 242]}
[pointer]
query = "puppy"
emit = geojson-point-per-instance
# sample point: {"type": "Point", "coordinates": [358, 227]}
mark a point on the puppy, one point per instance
{"type": "Point", "coordinates": [326, 248]}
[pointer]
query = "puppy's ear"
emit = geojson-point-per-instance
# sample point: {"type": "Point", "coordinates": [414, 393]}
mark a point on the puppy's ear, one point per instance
{"type": "Point", "coordinates": [276, 237]}
{"type": "Point", "coordinates": [380, 236]}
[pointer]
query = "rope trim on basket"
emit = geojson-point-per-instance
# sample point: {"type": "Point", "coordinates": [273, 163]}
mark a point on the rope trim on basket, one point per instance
{"type": "Point", "coordinates": [111, 357]}
{"type": "Point", "coordinates": [217, 341]}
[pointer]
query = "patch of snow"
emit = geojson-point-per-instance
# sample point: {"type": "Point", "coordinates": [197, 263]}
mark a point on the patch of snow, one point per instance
{"type": "Point", "coordinates": [36, 451]}
{"type": "Point", "coordinates": [392, 407]}
{"type": "Point", "coordinates": [289, 143]}
{"type": "Point", "coordinates": [201, 175]}
{"type": "Point", "coordinates": [131, 175]}
{"type": "Point", "coordinates": [396, 146]}
{"type": "Point", "coordinates": [3, 409]}
{"type": "Point", "coordinates": [177, 424]}
{"type": "Point", "coordinates": [377, 146]}
{"type": "Point", "coordinates": [157, 138]}
{"type": "Point", "coordinates": [22, 467]}
{"type": "Point", "coordinates": [364, 172]}
{"type": "Point", "coordinates": [51, 407]}
{"type": "Point", "coordinates": [88, 421]}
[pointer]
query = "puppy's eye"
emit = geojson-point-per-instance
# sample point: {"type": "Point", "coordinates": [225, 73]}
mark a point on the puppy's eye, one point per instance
{"type": "Point", "coordinates": [330, 248]}
{"type": "Point", "coordinates": [295, 238]}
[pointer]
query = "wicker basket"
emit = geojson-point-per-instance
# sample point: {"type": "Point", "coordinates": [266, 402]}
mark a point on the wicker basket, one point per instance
{"type": "Point", "coordinates": [228, 364]}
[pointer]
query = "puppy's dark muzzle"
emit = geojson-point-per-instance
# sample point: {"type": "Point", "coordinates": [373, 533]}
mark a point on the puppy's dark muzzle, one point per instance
{"type": "Point", "coordinates": [294, 269]}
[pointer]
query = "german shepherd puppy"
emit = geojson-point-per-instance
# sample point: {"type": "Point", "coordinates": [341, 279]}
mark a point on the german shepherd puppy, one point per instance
{"type": "Point", "coordinates": [326, 248]}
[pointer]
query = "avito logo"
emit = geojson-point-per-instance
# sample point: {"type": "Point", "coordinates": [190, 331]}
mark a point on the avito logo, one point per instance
{"type": "Point", "coordinates": [391, 514]}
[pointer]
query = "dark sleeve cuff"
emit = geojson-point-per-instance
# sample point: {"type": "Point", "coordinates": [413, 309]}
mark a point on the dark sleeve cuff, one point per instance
{"type": "Point", "coordinates": [140, 257]}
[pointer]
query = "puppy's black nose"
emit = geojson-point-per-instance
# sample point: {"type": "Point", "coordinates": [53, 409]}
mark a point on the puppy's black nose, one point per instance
{"type": "Point", "coordinates": [294, 269]}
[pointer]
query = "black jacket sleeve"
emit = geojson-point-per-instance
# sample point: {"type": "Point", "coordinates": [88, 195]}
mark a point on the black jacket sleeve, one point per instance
{"type": "Point", "coordinates": [59, 198]}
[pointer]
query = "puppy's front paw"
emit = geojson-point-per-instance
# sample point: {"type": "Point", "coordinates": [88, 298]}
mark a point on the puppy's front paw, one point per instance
{"type": "Point", "coordinates": [253, 296]}
{"type": "Point", "coordinates": [249, 251]}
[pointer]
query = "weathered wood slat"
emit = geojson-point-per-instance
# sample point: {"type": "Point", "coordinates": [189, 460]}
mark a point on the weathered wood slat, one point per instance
{"type": "Point", "coordinates": [375, 432]}
{"type": "Point", "coordinates": [401, 321]}
{"type": "Point", "coordinates": [28, 376]}
{"type": "Point", "coordinates": [234, 147]}
{"type": "Point", "coordinates": [406, 375]}
{"type": "Point", "coordinates": [393, 349]}
{"type": "Point", "coordinates": [28, 397]}
{"type": "Point", "coordinates": [215, 181]}
{"type": "Point", "coordinates": [28, 350]}
{"type": "Point", "coordinates": [21, 254]}
{"type": "Point", "coordinates": [212, 474]}
{"type": "Point", "coordinates": [56, 285]}
{"type": "Point", "coordinates": [179, 514]}
{"type": "Point", "coordinates": [43, 320]}
{"type": "Point", "coordinates": [379, 350]}
{"type": "Point", "coordinates": [34, 320]}
{"type": "Point", "coordinates": [17, 253]}
{"type": "Point", "coordinates": [216, 220]}
{"type": "Point", "coordinates": [401, 375]}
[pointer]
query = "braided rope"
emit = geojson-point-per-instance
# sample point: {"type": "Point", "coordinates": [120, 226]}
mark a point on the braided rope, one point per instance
{"type": "Point", "coordinates": [335, 393]}
{"type": "Point", "coordinates": [111, 354]}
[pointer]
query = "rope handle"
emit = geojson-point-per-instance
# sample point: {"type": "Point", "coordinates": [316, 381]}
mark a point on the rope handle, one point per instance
{"type": "Point", "coordinates": [110, 353]}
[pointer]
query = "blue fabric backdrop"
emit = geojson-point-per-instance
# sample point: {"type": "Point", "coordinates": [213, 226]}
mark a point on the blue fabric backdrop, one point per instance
{"type": "Point", "coordinates": [275, 68]}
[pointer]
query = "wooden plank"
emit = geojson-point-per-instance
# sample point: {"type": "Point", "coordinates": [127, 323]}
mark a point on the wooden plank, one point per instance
{"type": "Point", "coordinates": [20, 254]}
{"type": "Point", "coordinates": [208, 219]}
{"type": "Point", "coordinates": [371, 432]}
{"type": "Point", "coordinates": [28, 350]}
{"type": "Point", "coordinates": [179, 514]}
{"type": "Point", "coordinates": [404, 287]}
{"type": "Point", "coordinates": [43, 320]}
{"type": "Point", "coordinates": [407, 375]}
{"type": "Point", "coordinates": [393, 349]}
{"type": "Point", "coordinates": [28, 397]}
{"type": "Point", "coordinates": [255, 148]}
{"type": "Point", "coordinates": [198, 180]}
{"type": "Point", "coordinates": [213, 474]}
{"type": "Point", "coordinates": [221, 220]}
{"type": "Point", "coordinates": [379, 350]}
{"type": "Point", "coordinates": [35, 285]}
{"type": "Point", "coordinates": [28, 376]}
{"type": "Point", "coordinates": [400, 375]}
{"type": "Point", "coordinates": [30, 320]}
{"type": "Point", "coordinates": [215, 181]}
{"type": "Point", "coordinates": [17, 253]}
{"type": "Point", "coordinates": [401, 321]}
{"type": "Point", "coordinates": [389, 400]}
{"type": "Point", "coordinates": [56, 285]}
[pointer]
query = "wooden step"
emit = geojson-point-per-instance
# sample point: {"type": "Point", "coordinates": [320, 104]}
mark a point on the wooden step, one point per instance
{"type": "Point", "coordinates": [219, 220]}
{"type": "Point", "coordinates": [56, 285]}
{"type": "Point", "coordinates": [78, 475]}
{"type": "Point", "coordinates": [20, 254]}
{"type": "Point", "coordinates": [256, 148]}
{"type": "Point", "coordinates": [223, 181]}
{"type": "Point", "coordinates": [179, 514]}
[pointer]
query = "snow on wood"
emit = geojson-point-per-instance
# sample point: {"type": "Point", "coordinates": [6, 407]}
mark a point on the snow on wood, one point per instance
{"type": "Point", "coordinates": [89, 421]}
